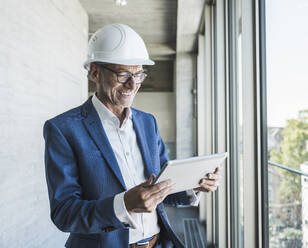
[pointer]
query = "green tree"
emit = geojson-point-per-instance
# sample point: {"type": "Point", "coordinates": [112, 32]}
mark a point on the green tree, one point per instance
{"type": "Point", "coordinates": [292, 153]}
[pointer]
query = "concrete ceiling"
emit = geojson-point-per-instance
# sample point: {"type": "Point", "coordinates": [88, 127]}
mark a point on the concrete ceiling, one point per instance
{"type": "Point", "coordinates": [161, 23]}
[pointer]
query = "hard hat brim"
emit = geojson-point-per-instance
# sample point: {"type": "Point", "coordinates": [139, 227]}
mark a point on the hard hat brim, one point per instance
{"type": "Point", "coordinates": [120, 62]}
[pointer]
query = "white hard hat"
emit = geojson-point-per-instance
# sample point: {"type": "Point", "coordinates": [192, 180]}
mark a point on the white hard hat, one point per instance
{"type": "Point", "coordinates": [117, 44]}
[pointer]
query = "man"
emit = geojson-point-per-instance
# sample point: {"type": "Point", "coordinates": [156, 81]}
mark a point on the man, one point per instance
{"type": "Point", "coordinates": [101, 157]}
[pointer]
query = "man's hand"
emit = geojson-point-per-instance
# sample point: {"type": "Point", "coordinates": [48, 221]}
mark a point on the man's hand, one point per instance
{"type": "Point", "coordinates": [145, 197]}
{"type": "Point", "coordinates": [209, 183]}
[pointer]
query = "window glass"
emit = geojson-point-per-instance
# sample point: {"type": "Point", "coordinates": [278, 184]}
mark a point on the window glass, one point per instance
{"type": "Point", "coordinates": [240, 141]}
{"type": "Point", "coordinates": [287, 114]}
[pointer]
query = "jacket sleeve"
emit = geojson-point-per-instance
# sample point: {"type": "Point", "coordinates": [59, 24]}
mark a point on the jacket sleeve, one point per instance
{"type": "Point", "coordinates": [180, 198]}
{"type": "Point", "coordinates": [69, 212]}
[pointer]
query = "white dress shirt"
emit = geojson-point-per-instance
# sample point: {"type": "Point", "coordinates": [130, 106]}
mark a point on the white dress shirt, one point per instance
{"type": "Point", "coordinates": [123, 141]}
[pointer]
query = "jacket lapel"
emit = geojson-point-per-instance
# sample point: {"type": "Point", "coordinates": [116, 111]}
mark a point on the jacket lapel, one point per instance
{"type": "Point", "coordinates": [94, 126]}
{"type": "Point", "coordinates": [141, 139]}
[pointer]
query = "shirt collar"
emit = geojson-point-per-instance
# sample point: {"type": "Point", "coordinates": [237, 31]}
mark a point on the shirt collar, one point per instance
{"type": "Point", "coordinates": [105, 114]}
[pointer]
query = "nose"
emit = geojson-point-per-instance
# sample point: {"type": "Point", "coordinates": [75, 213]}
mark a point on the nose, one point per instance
{"type": "Point", "coordinates": [131, 83]}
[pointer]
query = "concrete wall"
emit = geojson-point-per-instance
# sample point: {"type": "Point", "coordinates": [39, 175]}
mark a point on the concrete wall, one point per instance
{"type": "Point", "coordinates": [185, 74]}
{"type": "Point", "coordinates": [42, 46]}
{"type": "Point", "coordinates": [162, 106]}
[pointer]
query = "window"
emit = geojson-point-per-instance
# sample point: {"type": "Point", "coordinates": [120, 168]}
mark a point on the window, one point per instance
{"type": "Point", "coordinates": [287, 107]}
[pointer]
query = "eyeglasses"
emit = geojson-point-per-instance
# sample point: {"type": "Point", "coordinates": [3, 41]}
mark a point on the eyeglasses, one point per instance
{"type": "Point", "coordinates": [124, 76]}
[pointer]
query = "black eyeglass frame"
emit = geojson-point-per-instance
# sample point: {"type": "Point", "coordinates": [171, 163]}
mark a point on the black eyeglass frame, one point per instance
{"type": "Point", "coordinates": [130, 74]}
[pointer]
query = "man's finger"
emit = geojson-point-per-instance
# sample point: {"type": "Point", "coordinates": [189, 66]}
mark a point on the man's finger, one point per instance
{"type": "Point", "coordinates": [212, 188]}
{"type": "Point", "coordinates": [161, 195]}
{"type": "Point", "coordinates": [149, 181]}
{"type": "Point", "coordinates": [154, 199]}
{"type": "Point", "coordinates": [209, 182]}
{"type": "Point", "coordinates": [213, 176]}
{"type": "Point", "coordinates": [158, 187]}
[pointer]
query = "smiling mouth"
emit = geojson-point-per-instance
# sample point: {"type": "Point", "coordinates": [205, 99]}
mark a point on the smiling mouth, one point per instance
{"type": "Point", "coordinates": [125, 94]}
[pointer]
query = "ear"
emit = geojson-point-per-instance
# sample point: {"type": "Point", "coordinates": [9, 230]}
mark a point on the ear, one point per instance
{"type": "Point", "coordinates": [94, 72]}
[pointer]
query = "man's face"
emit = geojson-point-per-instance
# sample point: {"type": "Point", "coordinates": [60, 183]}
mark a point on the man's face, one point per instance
{"type": "Point", "coordinates": [113, 93]}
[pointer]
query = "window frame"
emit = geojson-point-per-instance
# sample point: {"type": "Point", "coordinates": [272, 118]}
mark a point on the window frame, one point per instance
{"type": "Point", "coordinates": [217, 84]}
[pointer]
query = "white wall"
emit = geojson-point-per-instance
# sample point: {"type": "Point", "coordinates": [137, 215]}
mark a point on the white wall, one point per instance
{"type": "Point", "coordinates": [42, 47]}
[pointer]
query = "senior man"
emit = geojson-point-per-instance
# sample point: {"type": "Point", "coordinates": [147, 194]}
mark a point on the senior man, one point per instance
{"type": "Point", "coordinates": [101, 157]}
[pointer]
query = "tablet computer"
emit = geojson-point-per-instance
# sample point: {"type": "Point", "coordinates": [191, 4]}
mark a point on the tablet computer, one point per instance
{"type": "Point", "coordinates": [186, 173]}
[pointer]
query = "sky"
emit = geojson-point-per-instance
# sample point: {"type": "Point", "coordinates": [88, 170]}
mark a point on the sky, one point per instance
{"type": "Point", "coordinates": [287, 59]}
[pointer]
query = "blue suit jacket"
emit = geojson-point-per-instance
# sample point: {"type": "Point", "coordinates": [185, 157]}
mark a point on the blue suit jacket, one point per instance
{"type": "Point", "coordinates": [83, 177]}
